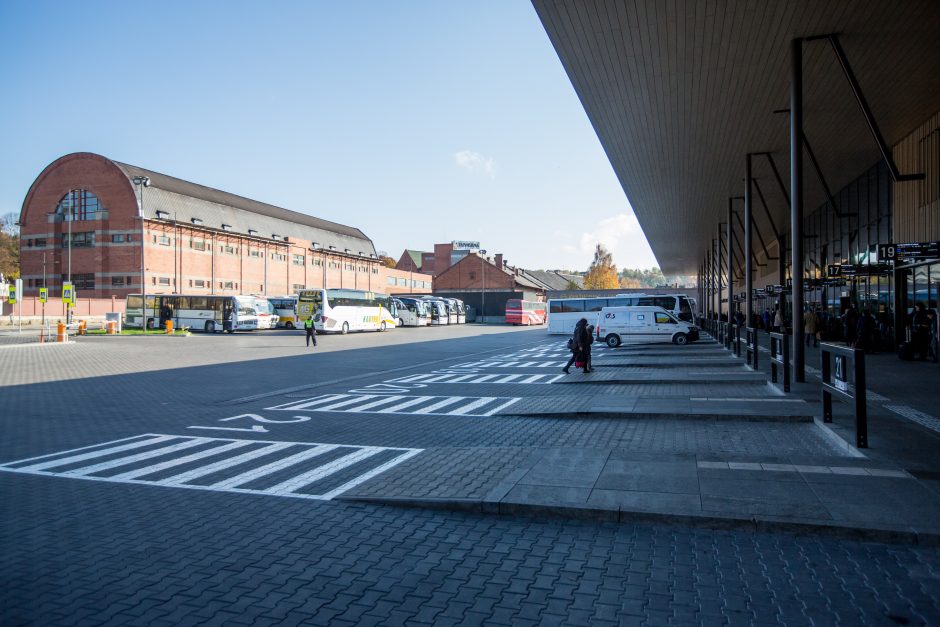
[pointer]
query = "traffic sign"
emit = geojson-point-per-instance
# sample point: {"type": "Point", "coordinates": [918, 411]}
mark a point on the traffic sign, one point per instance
{"type": "Point", "coordinates": [909, 250]}
{"type": "Point", "coordinates": [68, 293]}
{"type": "Point", "coordinates": [11, 294]}
{"type": "Point", "coordinates": [43, 295]}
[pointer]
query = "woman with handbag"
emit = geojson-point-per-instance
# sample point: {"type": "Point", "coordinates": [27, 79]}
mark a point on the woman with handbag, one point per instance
{"type": "Point", "coordinates": [579, 345]}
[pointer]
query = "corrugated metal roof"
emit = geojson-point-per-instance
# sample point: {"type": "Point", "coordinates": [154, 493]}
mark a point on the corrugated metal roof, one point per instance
{"type": "Point", "coordinates": [679, 92]}
{"type": "Point", "coordinates": [183, 201]}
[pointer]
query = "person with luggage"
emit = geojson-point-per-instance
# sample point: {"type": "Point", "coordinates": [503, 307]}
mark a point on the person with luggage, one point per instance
{"type": "Point", "coordinates": [579, 343]}
{"type": "Point", "coordinates": [809, 327]}
{"type": "Point", "coordinates": [311, 332]}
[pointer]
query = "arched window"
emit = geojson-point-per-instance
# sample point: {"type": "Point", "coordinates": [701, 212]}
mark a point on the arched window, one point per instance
{"type": "Point", "coordinates": [82, 204]}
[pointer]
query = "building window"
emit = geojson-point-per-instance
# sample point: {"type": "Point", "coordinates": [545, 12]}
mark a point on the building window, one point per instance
{"type": "Point", "coordinates": [375, 270]}
{"type": "Point", "coordinates": [79, 240]}
{"type": "Point", "coordinates": [163, 240]}
{"type": "Point", "coordinates": [197, 244]}
{"type": "Point", "coordinates": [82, 205]}
{"type": "Point", "coordinates": [117, 281]}
{"type": "Point", "coordinates": [315, 262]}
{"type": "Point", "coordinates": [390, 280]}
{"type": "Point", "coordinates": [81, 281]}
{"type": "Point", "coordinates": [254, 253]}
{"type": "Point", "coordinates": [298, 260]}
{"type": "Point", "coordinates": [278, 257]}
{"type": "Point", "coordinates": [117, 239]}
{"type": "Point", "coordinates": [228, 250]}
{"type": "Point", "coordinates": [297, 287]}
{"type": "Point", "coordinates": [164, 280]}
{"type": "Point", "coordinates": [199, 283]}
{"type": "Point", "coordinates": [39, 283]}
{"type": "Point", "coordinates": [402, 283]}
{"type": "Point", "coordinates": [128, 238]}
{"type": "Point", "coordinates": [228, 285]}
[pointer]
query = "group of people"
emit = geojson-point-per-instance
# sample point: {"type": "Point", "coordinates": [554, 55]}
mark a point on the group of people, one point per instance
{"type": "Point", "coordinates": [580, 346]}
{"type": "Point", "coordinates": [924, 333]}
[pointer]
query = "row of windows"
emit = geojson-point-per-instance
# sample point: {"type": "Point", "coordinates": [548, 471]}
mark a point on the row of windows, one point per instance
{"type": "Point", "coordinates": [404, 282]}
{"type": "Point", "coordinates": [80, 204]}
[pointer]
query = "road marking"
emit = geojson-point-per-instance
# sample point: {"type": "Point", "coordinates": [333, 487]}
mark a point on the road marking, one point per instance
{"type": "Point", "coordinates": [806, 469]}
{"type": "Point", "coordinates": [415, 405]}
{"type": "Point", "coordinates": [914, 415]}
{"type": "Point", "coordinates": [284, 455]}
{"type": "Point", "coordinates": [538, 379]}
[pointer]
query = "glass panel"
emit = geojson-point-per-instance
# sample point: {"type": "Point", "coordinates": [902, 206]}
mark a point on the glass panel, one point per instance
{"type": "Point", "coordinates": [595, 304]}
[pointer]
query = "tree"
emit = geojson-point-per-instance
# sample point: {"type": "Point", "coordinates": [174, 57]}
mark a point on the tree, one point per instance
{"type": "Point", "coordinates": [388, 261]}
{"type": "Point", "coordinates": [629, 282]}
{"type": "Point", "coordinates": [602, 274]}
{"type": "Point", "coordinates": [9, 256]}
{"type": "Point", "coordinates": [9, 224]}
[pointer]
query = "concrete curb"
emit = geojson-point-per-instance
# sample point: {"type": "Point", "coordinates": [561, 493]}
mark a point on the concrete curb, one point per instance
{"type": "Point", "coordinates": [646, 415]}
{"type": "Point", "coordinates": [754, 524]}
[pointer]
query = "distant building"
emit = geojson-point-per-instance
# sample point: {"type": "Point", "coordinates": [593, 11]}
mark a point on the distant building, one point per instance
{"type": "Point", "coordinates": [434, 263]}
{"type": "Point", "coordinates": [411, 260]}
{"type": "Point", "coordinates": [191, 239]}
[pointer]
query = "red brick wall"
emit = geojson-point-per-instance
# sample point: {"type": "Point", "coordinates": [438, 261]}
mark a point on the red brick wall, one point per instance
{"type": "Point", "coordinates": [175, 267]}
{"type": "Point", "coordinates": [468, 273]}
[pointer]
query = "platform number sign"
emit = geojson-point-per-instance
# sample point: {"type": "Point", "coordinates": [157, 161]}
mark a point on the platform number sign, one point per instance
{"type": "Point", "coordinates": [841, 373]}
{"type": "Point", "coordinates": [11, 294]}
{"type": "Point", "coordinates": [68, 293]}
{"type": "Point", "coordinates": [887, 252]}
{"type": "Point", "coordinates": [43, 295]}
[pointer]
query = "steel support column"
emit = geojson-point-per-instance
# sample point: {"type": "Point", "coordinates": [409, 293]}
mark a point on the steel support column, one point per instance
{"type": "Point", "coordinates": [720, 265]}
{"type": "Point", "coordinates": [796, 207]}
{"type": "Point", "coordinates": [748, 245]}
{"type": "Point", "coordinates": [730, 236]}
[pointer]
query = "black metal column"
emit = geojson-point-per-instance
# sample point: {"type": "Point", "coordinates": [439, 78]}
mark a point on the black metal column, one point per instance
{"type": "Point", "coordinates": [748, 246]}
{"type": "Point", "coordinates": [796, 207]}
{"type": "Point", "coordinates": [782, 269]}
{"type": "Point", "coordinates": [719, 270]}
{"type": "Point", "coordinates": [730, 236]}
{"type": "Point", "coordinates": [716, 279]}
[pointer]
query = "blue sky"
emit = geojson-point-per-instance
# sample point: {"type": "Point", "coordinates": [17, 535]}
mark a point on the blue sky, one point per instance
{"type": "Point", "coordinates": [418, 122]}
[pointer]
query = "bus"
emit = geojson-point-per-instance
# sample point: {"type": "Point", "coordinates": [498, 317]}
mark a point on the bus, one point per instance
{"type": "Point", "coordinates": [342, 310]}
{"type": "Point", "coordinates": [525, 312]}
{"type": "Point", "coordinates": [563, 313]}
{"type": "Point", "coordinates": [285, 308]}
{"type": "Point", "coordinates": [412, 312]}
{"type": "Point", "coordinates": [267, 318]}
{"type": "Point", "coordinates": [203, 312]}
{"type": "Point", "coordinates": [439, 311]}
{"type": "Point", "coordinates": [461, 309]}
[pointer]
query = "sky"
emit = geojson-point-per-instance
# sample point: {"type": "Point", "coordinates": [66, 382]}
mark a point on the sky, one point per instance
{"type": "Point", "coordinates": [417, 122]}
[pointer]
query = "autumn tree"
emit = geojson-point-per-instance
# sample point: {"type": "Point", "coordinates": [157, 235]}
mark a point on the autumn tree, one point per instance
{"type": "Point", "coordinates": [602, 274]}
{"type": "Point", "coordinates": [10, 246]}
{"type": "Point", "coordinates": [388, 261]}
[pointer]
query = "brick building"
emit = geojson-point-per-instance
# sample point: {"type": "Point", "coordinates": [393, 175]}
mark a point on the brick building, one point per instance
{"type": "Point", "coordinates": [194, 239]}
{"type": "Point", "coordinates": [434, 263]}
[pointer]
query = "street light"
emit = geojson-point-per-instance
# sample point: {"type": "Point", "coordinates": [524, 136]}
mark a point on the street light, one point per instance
{"type": "Point", "coordinates": [141, 182]}
{"type": "Point", "coordinates": [483, 289]}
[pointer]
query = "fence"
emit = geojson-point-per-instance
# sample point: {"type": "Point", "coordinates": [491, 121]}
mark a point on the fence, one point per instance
{"type": "Point", "coordinates": [780, 356]}
{"type": "Point", "coordinates": [55, 308]}
{"type": "Point", "coordinates": [736, 339]}
{"type": "Point", "coordinates": [840, 385]}
{"type": "Point", "coordinates": [750, 347]}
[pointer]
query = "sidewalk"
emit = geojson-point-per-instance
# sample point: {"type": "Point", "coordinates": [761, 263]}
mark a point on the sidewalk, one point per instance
{"type": "Point", "coordinates": [797, 473]}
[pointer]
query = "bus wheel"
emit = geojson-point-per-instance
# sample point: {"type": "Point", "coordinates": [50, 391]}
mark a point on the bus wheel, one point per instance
{"type": "Point", "coordinates": [230, 330]}
{"type": "Point", "coordinates": [384, 326]}
{"type": "Point", "coordinates": [210, 326]}
{"type": "Point", "coordinates": [401, 322]}
{"type": "Point", "coordinates": [150, 324]}
{"type": "Point", "coordinates": [289, 325]}
{"type": "Point", "coordinates": [345, 328]}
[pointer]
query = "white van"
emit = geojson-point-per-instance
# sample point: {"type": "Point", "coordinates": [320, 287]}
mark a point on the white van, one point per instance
{"type": "Point", "coordinates": [618, 325]}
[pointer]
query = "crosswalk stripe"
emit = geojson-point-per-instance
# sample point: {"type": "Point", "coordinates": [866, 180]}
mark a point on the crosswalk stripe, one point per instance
{"type": "Point", "coordinates": [413, 378]}
{"type": "Point", "coordinates": [381, 401]}
{"type": "Point", "coordinates": [63, 461]}
{"type": "Point", "coordinates": [444, 403]}
{"type": "Point", "coordinates": [368, 475]}
{"type": "Point", "coordinates": [311, 401]}
{"type": "Point", "coordinates": [256, 473]}
{"type": "Point", "coordinates": [466, 409]}
{"type": "Point", "coordinates": [414, 401]}
{"type": "Point", "coordinates": [462, 377]}
{"type": "Point", "coordinates": [510, 377]}
{"type": "Point", "coordinates": [487, 377]}
{"type": "Point", "coordinates": [149, 470]}
{"type": "Point", "coordinates": [503, 406]}
{"type": "Point", "coordinates": [123, 461]}
{"type": "Point", "coordinates": [316, 474]}
{"type": "Point", "coordinates": [231, 462]}
{"type": "Point", "coordinates": [355, 399]}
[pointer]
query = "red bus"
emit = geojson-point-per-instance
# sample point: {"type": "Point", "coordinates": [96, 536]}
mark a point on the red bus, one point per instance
{"type": "Point", "coordinates": [524, 312]}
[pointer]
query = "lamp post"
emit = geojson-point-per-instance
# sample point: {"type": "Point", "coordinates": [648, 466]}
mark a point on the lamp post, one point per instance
{"type": "Point", "coordinates": [483, 289]}
{"type": "Point", "coordinates": [141, 182]}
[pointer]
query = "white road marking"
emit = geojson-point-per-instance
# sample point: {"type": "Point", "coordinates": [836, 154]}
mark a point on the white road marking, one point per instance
{"type": "Point", "coordinates": [448, 400]}
{"type": "Point", "coordinates": [411, 405]}
{"type": "Point", "coordinates": [287, 487]}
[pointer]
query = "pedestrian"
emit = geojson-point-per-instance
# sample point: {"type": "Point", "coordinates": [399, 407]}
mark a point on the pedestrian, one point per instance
{"type": "Point", "coordinates": [809, 327]}
{"type": "Point", "coordinates": [819, 321]}
{"type": "Point", "coordinates": [311, 331]}
{"type": "Point", "coordinates": [766, 320]}
{"type": "Point", "coordinates": [778, 320]}
{"type": "Point", "coordinates": [588, 367]}
{"type": "Point", "coordinates": [850, 325]}
{"type": "Point", "coordinates": [933, 341]}
{"type": "Point", "coordinates": [863, 331]}
{"type": "Point", "coordinates": [576, 345]}
{"type": "Point", "coordinates": [920, 331]}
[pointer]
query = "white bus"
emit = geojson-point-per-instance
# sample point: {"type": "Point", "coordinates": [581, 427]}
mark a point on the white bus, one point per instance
{"type": "Point", "coordinates": [285, 308]}
{"type": "Point", "coordinates": [203, 313]}
{"type": "Point", "coordinates": [439, 311]}
{"type": "Point", "coordinates": [460, 308]}
{"type": "Point", "coordinates": [342, 311]}
{"type": "Point", "coordinates": [267, 318]}
{"type": "Point", "coordinates": [564, 313]}
{"type": "Point", "coordinates": [412, 312]}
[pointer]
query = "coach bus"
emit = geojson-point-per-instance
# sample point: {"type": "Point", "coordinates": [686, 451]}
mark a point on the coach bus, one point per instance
{"type": "Point", "coordinates": [460, 308]}
{"type": "Point", "coordinates": [564, 313]}
{"type": "Point", "coordinates": [525, 312]}
{"type": "Point", "coordinates": [204, 312]}
{"type": "Point", "coordinates": [285, 308]}
{"type": "Point", "coordinates": [412, 312]}
{"type": "Point", "coordinates": [267, 318]}
{"type": "Point", "coordinates": [440, 313]}
{"type": "Point", "coordinates": [342, 310]}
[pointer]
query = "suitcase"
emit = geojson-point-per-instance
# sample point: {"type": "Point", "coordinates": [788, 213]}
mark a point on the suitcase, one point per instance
{"type": "Point", "coordinates": [906, 351]}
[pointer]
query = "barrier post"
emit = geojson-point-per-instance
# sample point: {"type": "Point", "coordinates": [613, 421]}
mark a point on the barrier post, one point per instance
{"type": "Point", "coordinates": [61, 333]}
{"type": "Point", "coordinates": [169, 327]}
{"type": "Point", "coordinates": [837, 383]}
{"type": "Point", "coordinates": [780, 356]}
{"type": "Point", "coordinates": [750, 347]}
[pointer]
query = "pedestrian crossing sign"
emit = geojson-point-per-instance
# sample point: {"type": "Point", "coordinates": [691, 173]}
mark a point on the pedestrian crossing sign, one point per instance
{"type": "Point", "coordinates": [11, 294]}
{"type": "Point", "coordinates": [68, 293]}
{"type": "Point", "coordinates": [43, 295]}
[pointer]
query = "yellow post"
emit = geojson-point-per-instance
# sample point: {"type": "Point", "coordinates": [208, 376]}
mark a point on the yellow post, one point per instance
{"type": "Point", "coordinates": [61, 335]}
{"type": "Point", "coordinates": [169, 327]}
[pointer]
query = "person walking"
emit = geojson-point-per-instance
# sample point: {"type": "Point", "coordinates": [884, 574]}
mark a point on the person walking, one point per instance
{"type": "Point", "coordinates": [311, 331]}
{"type": "Point", "coordinates": [766, 320]}
{"type": "Point", "coordinates": [809, 327]}
{"type": "Point", "coordinates": [920, 331]}
{"type": "Point", "coordinates": [778, 320]}
{"type": "Point", "coordinates": [933, 341]}
{"type": "Point", "coordinates": [588, 367]}
{"type": "Point", "coordinates": [576, 344]}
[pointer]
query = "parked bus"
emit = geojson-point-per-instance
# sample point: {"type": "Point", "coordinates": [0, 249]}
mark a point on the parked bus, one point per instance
{"type": "Point", "coordinates": [204, 312]}
{"type": "Point", "coordinates": [285, 308]}
{"type": "Point", "coordinates": [563, 313]}
{"type": "Point", "coordinates": [525, 312]}
{"type": "Point", "coordinates": [412, 312]}
{"type": "Point", "coordinates": [460, 308]}
{"type": "Point", "coordinates": [439, 311]}
{"type": "Point", "coordinates": [267, 318]}
{"type": "Point", "coordinates": [342, 310]}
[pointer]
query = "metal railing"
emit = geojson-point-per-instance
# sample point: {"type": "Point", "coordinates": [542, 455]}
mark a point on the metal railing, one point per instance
{"type": "Point", "coordinates": [780, 357]}
{"type": "Point", "coordinates": [750, 347]}
{"type": "Point", "coordinates": [736, 339]}
{"type": "Point", "coordinates": [837, 362]}
{"type": "Point", "coordinates": [722, 331]}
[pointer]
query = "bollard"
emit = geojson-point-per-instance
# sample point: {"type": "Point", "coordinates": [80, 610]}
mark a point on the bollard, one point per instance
{"type": "Point", "coordinates": [61, 334]}
{"type": "Point", "coordinates": [169, 327]}
{"type": "Point", "coordinates": [112, 328]}
{"type": "Point", "coordinates": [81, 327]}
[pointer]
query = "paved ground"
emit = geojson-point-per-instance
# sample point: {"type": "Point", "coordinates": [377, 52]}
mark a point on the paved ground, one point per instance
{"type": "Point", "coordinates": [215, 479]}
